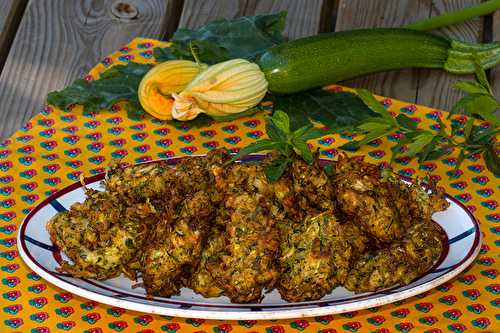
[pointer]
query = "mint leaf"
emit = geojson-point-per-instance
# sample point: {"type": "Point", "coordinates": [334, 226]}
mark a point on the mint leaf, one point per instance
{"type": "Point", "coordinates": [484, 106]}
{"type": "Point", "coordinates": [492, 160]}
{"type": "Point", "coordinates": [309, 132]}
{"type": "Point", "coordinates": [255, 147]}
{"type": "Point", "coordinates": [303, 150]}
{"type": "Point", "coordinates": [406, 122]}
{"type": "Point", "coordinates": [281, 121]}
{"type": "Point", "coordinates": [471, 87]}
{"type": "Point", "coordinates": [350, 146]}
{"type": "Point", "coordinates": [375, 106]}
{"type": "Point", "coordinates": [419, 142]}
{"type": "Point", "coordinates": [274, 133]}
{"type": "Point", "coordinates": [275, 171]}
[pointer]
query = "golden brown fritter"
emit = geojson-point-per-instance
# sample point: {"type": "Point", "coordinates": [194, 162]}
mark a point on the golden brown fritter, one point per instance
{"type": "Point", "coordinates": [400, 262]}
{"type": "Point", "coordinates": [248, 264]}
{"type": "Point", "coordinates": [102, 236]}
{"type": "Point", "coordinates": [312, 188]}
{"type": "Point", "coordinates": [365, 199]}
{"type": "Point", "coordinates": [175, 248]}
{"type": "Point", "coordinates": [315, 258]}
{"type": "Point", "coordinates": [162, 184]}
{"type": "Point", "coordinates": [226, 230]}
{"type": "Point", "coordinates": [202, 281]}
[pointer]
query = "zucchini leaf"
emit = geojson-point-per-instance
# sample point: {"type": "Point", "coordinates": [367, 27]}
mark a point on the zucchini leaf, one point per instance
{"type": "Point", "coordinates": [117, 84]}
{"type": "Point", "coordinates": [244, 37]}
{"type": "Point", "coordinates": [340, 111]}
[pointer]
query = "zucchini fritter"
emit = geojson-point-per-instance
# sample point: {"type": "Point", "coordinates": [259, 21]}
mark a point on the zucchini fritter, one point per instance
{"type": "Point", "coordinates": [102, 236]}
{"type": "Point", "coordinates": [400, 262]}
{"type": "Point", "coordinates": [248, 264]}
{"type": "Point", "coordinates": [314, 258]}
{"type": "Point", "coordinates": [176, 246]}
{"type": "Point", "coordinates": [202, 281]}
{"type": "Point", "coordinates": [160, 183]}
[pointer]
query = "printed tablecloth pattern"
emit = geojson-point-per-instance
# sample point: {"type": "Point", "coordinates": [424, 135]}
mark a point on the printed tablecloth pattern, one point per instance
{"type": "Point", "coordinates": [53, 149]}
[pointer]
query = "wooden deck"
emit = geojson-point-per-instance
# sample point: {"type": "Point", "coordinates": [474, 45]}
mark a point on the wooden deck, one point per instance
{"type": "Point", "coordinates": [46, 44]}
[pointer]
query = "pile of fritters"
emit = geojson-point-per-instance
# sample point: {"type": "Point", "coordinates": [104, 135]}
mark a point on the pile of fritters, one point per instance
{"type": "Point", "coordinates": [226, 230]}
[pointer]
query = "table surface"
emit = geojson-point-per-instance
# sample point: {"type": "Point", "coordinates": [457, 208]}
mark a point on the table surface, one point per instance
{"type": "Point", "coordinates": [46, 44]}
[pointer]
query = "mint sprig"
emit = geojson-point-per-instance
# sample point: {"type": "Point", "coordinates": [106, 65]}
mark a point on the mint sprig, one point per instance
{"type": "Point", "coordinates": [284, 142]}
{"type": "Point", "coordinates": [430, 145]}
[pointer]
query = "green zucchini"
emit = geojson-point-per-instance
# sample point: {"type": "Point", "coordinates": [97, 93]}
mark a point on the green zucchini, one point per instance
{"type": "Point", "coordinates": [315, 61]}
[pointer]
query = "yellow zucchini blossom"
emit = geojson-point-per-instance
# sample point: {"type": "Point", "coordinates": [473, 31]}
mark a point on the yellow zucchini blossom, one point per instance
{"type": "Point", "coordinates": [222, 89]}
{"type": "Point", "coordinates": [163, 80]}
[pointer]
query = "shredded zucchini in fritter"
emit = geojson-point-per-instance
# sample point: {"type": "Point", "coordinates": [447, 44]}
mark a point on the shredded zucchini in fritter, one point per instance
{"type": "Point", "coordinates": [225, 230]}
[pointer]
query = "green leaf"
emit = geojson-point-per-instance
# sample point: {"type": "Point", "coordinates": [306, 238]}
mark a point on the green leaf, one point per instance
{"type": "Point", "coordinates": [376, 131]}
{"type": "Point", "coordinates": [303, 150]}
{"type": "Point", "coordinates": [492, 160]}
{"type": "Point", "coordinates": [350, 146]}
{"type": "Point", "coordinates": [481, 136]}
{"type": "Point", "coordinates": [370, 101]}
{"type": "Point", "coordinates": [468, 129]}
{"type": "Point", "coordinates": [328, 169]}
{"type": "Point", "coordinates": [435, 154]}
{"type": "Point", "coordinates": [275, 171]}
{"type": "Point", "coordinates": [471, 87]}
{"type": "Point", "coordinates": [460, 105]}
{"type": "Point", "coordinates": [255, 147]}
{"type": "Point", "coordinates": [372, 127]}
{"type": "Point", "coordinates": [281, 120]}
{"type": "Point", "coordinates": [339, 112]}
{"type": "Point", "coordinates": [419, 142]}
{"type": "Point", "coordinates": [120, 83]}
{"type": "Point", "coordinates": [244, 37]}
{"type": "Point", "coordinates": [307, 133]}
{"type": "Point", "coordinates": [406, 122]}
{"type": "Point", "coordinates": [274, 133]}
{"type": "Point", "coordinates": [424, 154]}
{"type": "Point", "coordinates": [484, 106]}
{"type": "Point", "coordinates": [396, 149]}
{"type": "Point", "coordinates": [481, 76]}
{"type": "Point", "coordinates": [460, 159]}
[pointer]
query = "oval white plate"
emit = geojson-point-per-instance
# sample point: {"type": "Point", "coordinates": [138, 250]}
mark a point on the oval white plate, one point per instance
{"type": "Point", "coordinates": [36, 249]}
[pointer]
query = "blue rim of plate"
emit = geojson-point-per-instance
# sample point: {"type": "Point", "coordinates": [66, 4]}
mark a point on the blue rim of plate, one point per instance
{"type": "Point", "coordinates": [184, 306]}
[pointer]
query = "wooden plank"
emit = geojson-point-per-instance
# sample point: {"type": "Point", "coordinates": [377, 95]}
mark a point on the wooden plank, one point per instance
{"type": "Point", "coordinates": [435, 88]}
{"type": "Point", "coordinates": [356, 14]}
{"type": "Point", "coordinates": [60, 40]}
{"type": "Point", "coordinates": [11, 12]}
{"type": "Point", "coordinates": [495, 72]}
{"type": "Point", "coordinates": [304, 17]}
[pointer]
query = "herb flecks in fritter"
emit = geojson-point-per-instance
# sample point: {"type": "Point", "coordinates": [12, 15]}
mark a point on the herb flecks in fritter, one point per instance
{"type": "Point", "coordinates": [314, 258]}
{"type": "Point", "coordinates": [102, 236]}
{"type": "Point", "coordinates": [400, 262]}
{"type": "Point", "coordinates": [174, 251]}
{"type": "Point", "coordinates": [227, 230]}
{"type": "Point", "coordinates": [202, 281]}
{"type": "Point", "coordinates": [248, 264]}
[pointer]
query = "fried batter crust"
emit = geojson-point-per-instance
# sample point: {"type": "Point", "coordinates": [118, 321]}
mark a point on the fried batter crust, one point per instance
{"type": "Point", "coordinates": [174, 252]}
{"type": "Point", "coordinates": [248, 264]}
{"type": "Point", "coordinates": [400, 262]}
{"type": "Point", "coordinates": [315, 258]}
{"type": "Point", "coordinates": [102, 236]}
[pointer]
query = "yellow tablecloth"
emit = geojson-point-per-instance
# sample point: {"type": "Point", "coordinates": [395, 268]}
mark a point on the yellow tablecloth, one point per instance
{"type": "Point", "coordinates": [54, 148]}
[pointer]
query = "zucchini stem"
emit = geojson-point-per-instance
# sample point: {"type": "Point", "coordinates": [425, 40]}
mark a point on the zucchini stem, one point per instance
{"type": "Point", "coordinates": [455, 17]}
{"type": "Point", "coordinates": [462, 57]}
